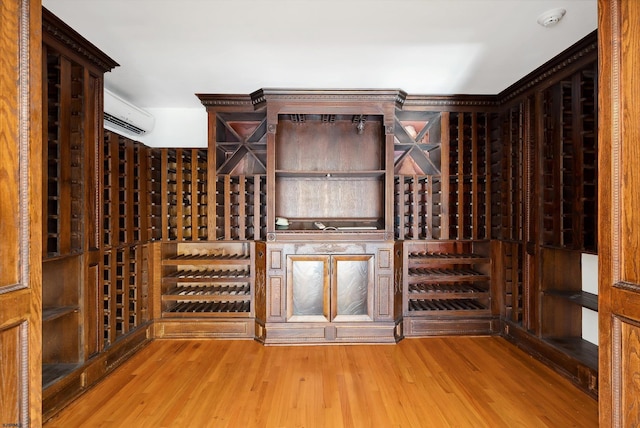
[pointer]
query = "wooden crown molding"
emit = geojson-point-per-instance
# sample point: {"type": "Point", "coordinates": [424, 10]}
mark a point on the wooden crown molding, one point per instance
{"type": "Point", "coordinates": [451, 101]}
{"type": "Point", "coordinates": [587, 48]}
{"type": "Point", "coordinates": [56, 29]}
{"type": "Point", "coordinates": [260, 97]}
{"type": "Point", "coordinates": [225, 100]}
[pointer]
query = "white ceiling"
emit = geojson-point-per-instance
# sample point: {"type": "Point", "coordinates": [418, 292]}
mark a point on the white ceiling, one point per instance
{"type": "Point", "coordinates": [168, 50]}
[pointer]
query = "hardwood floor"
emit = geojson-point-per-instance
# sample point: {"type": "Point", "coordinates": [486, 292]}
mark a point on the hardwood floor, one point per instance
{"type": "Point", "coordinates": [432, 382]}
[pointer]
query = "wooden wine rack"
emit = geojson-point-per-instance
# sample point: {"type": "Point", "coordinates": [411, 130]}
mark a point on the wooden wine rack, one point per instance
{"type": "Point", "coordinates": [470, 182]}
{"type": "Point", "coordinates": [127, 178]}
{"type": "Point", "coordinates": [72, 76]}
{"type": "Point", "coordinates": [569, 169]}
{"type": "Point", "coordinates": [508, 270]}
{"type": "Point", "coordinates": [240, 207]}
{"type": "Point", "coordinates": [508, 165]}
{"type": "Point", "coordinates": [155, 199]}
{"type": "Point", "coordinates": [64, 213]}
{"type": "Point", "coordinates": [446, 287]}
{"type": "Point", "coordinates": [448, 194]}
{"type": "Point", "coordinates": [64, 156]}
{"type": "Point", "coordinates": [207, 280]}
{"type": "Point", "coordinates": [184, 195]}
{"type": "Point", "coordinates": [418, 211]}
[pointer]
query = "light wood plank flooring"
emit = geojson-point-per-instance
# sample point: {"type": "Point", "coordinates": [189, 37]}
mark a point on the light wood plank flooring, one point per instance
{"type": "Point", "coordinates": [432, 382]}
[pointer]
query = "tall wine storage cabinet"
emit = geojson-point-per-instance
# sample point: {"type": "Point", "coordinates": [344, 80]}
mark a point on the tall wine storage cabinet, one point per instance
{"type": "Point", "coordinates": [95, 226]}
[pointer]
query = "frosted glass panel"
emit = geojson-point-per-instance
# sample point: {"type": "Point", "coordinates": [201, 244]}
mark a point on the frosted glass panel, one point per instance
{"type": "Point", "coordinates": [308, 287]}
{"type": "Point", "coordinates": [353, 281]}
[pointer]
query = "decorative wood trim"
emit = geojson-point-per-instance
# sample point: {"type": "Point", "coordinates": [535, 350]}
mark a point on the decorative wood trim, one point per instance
{"type": "Point", "coordinates": [218, 100]}
{"type": "Point", "coordinates": [451, 101]}
{"type": "Point", "coordinates": [627, 286]}
{"type": "Point", "coordinates": [587, 46]}
{"type": "Point", "coordinates": [616, 372]}
{"type": "Point", "coordinates": [23, 141]}
{"type": "Point", "coordinates": [529, 205]}
{"type": "Point", "coordinates": [67, 36]}
{"type": "Point", "coordinates": [24, 369]}
{"type": "Point", "coordinates": [261, 96]}
{"type": "Point", "coordinates": [24, 94]}
{"type": "Point", "coordinates": [615, 143]}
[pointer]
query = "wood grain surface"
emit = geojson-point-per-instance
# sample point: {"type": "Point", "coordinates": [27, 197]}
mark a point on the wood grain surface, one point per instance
{"type": "Point", "coordinates": [433, 382]}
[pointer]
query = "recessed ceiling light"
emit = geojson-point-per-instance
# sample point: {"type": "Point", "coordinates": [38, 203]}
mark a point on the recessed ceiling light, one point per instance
{"type": "Point", "coordinates": [551, 17]}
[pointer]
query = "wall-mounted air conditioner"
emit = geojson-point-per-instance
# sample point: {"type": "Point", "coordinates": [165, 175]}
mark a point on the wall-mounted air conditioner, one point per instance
{"type": "Point", "coordinates": [122, 117]}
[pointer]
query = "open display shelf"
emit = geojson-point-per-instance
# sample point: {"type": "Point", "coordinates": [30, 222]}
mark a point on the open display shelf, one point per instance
{"type": "Point", "coordinates": [562, 302]}
{"type": "Point", "coordinates": [318, 186]}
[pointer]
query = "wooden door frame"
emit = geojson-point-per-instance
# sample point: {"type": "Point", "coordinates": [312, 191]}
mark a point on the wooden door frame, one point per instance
{"type": "Point", "coordinates": [21, 252]}
{"type": "Point", "coordinates": [619, 212]}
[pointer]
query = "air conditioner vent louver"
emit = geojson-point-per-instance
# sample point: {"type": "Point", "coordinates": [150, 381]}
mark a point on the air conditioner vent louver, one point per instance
{"type": "Point", "coordinates": [115, 121]}
{"type": "Point", "coordinates": [124, 118]}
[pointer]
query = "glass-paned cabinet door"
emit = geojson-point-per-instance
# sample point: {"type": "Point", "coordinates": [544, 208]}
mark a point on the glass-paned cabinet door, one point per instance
{"type": "Point", "coordinates": [308, 297]}
{"type": "Point", "coordinates": [352, 287]}
{"type": "Point", "coordinates": [324, 288]}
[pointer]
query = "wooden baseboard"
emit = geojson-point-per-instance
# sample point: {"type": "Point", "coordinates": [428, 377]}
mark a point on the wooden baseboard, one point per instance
{"type": "Point", "coordinates": [327, 333]}
{"type": "Point", "coordinates": [422, 327]}
{"type": "Point", "coordinates": [59, 394]}
{"type": "Point", "coordinates": [580, 373]}
{"type": "Point", "coordinates": [224, 328]}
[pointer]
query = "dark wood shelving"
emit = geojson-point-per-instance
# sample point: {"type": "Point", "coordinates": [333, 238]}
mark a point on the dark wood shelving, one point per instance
{"type": "Point", "coordinates": [544, 199]}
{"type": "Point", "coordinates": [51, 373]}
{"type": "Point", "coordinates": [206, 275]}
{"type": "Point", "coordinates": [446, 280]}
{"type": "Point", "coordinates": [206, 279]}
{"type": "Point", "coordinates": [72, 208]}
{"type": "Point", "coordinates": [581, 298]}
{"type": "Point", "coordinates": [578, 348]}
{"type": "Point", "coordinates": [49, 314]}
{"type": "Point", "coordinates": [195, 259]}
{"type": "Point", "coordinates": [214, 292]}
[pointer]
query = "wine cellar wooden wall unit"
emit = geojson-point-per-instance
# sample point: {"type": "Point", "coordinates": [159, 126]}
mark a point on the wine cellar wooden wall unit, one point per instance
{"type": "Point", "coordinates": [318, 216]}
{"type": "Point", "coordinates": [95, 224]}
{"type": "Point", "coordinates": [545, 165]}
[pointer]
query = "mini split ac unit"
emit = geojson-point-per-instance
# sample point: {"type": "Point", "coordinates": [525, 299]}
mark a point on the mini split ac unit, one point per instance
{"type": "Point", "coordinates": [123, 117]}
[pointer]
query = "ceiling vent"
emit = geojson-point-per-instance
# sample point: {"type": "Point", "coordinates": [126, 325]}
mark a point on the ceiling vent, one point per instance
{"type": "Point", "coordinates": [123, 117]}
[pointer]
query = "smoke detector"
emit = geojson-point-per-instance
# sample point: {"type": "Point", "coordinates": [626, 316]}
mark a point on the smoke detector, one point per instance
{"type": "Point", "coordinates": [551, 17]}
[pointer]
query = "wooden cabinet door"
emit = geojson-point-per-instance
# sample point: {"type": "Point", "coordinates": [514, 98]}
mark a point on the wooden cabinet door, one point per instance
{"type": "Point", "coordinates": [619, 213]}
{"type": "Point", "coordinates": [20, 214]}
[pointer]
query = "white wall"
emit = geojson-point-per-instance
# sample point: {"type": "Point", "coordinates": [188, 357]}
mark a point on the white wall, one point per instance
{"type": "Point", "coordinates": [177, 127]}
{"type": "Point", "coordinates": [590, 285]}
